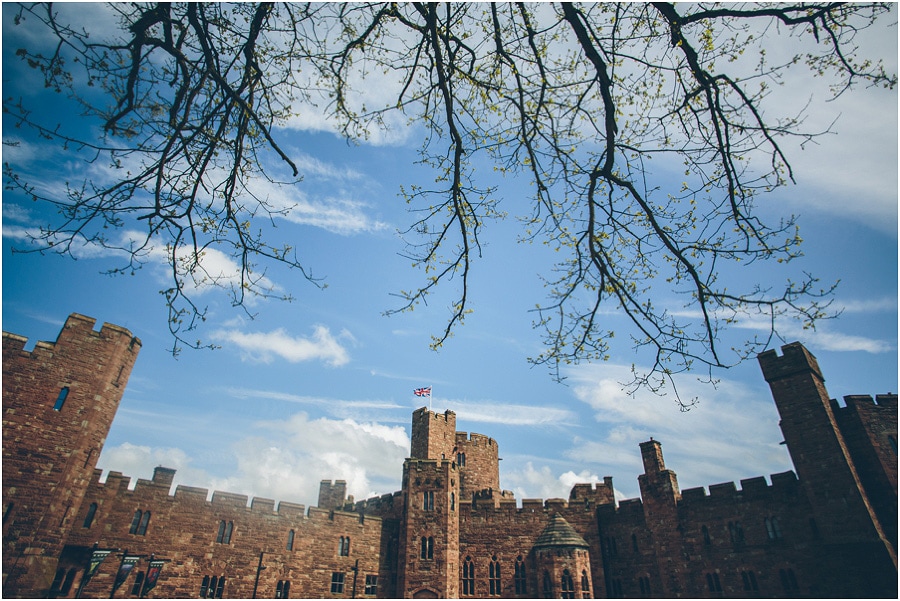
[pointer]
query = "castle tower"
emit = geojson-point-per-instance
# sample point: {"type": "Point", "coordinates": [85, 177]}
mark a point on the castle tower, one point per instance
{"type": "Point", "coordinates": [852, 536]}
{"type": "Point", "coordinates": [562, 562]}
{"type": "Point", "coordinates": [429, 535]}
{"type": "Point", "coordinates": [479, 463]}
{"type": "Point", "coordinates": [59, 401]}
{"type": "Point", "coordinates": [660, 496]}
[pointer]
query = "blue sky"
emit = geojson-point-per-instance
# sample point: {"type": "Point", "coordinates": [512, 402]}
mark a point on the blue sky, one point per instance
{"type": "Point", "coordinates": [321, 387]}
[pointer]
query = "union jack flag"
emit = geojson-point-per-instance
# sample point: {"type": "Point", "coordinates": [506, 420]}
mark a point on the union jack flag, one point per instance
{"type": "Point", "coordinates": [423, 391]}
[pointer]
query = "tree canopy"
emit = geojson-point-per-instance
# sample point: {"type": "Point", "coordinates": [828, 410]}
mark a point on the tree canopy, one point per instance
{"type": "Point", "coordinates": [596, 105]}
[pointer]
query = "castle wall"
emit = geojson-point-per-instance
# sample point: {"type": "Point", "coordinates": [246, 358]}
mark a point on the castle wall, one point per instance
{"type": "Point", "coordinates": [184, 530]}
{"type": "Point", "coordinates": [825, 533]}
{"type": "Point", "coordinates": [59, 401]}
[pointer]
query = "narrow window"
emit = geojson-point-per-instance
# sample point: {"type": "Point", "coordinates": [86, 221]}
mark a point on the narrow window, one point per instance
{"type": "Point", "coordinates": [494, 576]}
{"type": "Point", "coordinates": [428, 500]}
{"type": "Point", "coordinates": [736, 532]}
{"type": "Point", "coordinates": [634, 545]}
{"type": "Point", "coordinates": [67, 583]}
{"type": "Point", "coordinates": [749, 580]}
{"type": "Point", "coordinates": [211, 593]}
{"type": "Point", "coordinates": [616, 588]}
{"type": "Point", "coordinates": [427, 551]}
{"type": "Point", "coordinates": [468, 580]}
{"type": "Point", "coordinates": [135, 522]}
{"type": "Point", "coordinates": [453, 501]}
{"type": "Point", "coordinates": [585, 585]}
{"type": "Point", "coordinates": [220, 588]}
{"type": "Point", "coordinates": [204, 587]}
{"type": "Point", "coordinates": [337, 582]}
{"type": "Point", "coordinates": [283, 589]}
{"type": "Point", "coordinates": [705, 532]}
{"type": "Point", "coordinates": [712, 581]}
{"type": "Point", "coordinates": [548, 586]}
{"type": "Point", "coordinates": [344, 546]}
{"type": "Point", "coordinates": [61, 399]}
{"type": "Point", "coordinates": [8, 511]}
{"type": "Point", "coordinates": [221, 534]}
{"type": "Point", "coordinates": [138, 583]}
{"type": "Point", "coordinates": [290, 541]}
{"type": "Point", "coordinates": [519, 577]}
{"type": "Point", "coordinates": [371, 584]}
{"type": "Point", "coordinates": [788, 579]}
{"type": "Point", "coordinates": [776, 528]}
{"type": "Point", "coordinates": [142, 527]}
{"type": "Point", "coordinates": [89, 518]}
{"type": "Point", "coordinates": [58, 579]}
{"type": "Point", "coordinates": [567, 586]}
{"type": "Point", "coordinates": [228, 530]}
{"type": "Point", "coordinates": [644, 583]}
{"type": "Point", "coordinates": [461, 459]}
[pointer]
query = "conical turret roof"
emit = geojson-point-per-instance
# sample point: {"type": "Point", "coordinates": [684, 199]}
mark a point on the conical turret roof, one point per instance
{"type": "Point", "coordinates": [559, 533]}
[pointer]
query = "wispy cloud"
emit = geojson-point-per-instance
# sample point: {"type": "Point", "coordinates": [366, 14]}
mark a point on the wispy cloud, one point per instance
{"type": "Point", "coordinates": [488, 412]}
{"type": "Point", "coordinates": [322, 345]}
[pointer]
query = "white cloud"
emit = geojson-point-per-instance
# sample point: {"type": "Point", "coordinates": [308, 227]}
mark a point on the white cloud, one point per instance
{"type": "Point", "coordinates": [265, 346]}
{"type": "Point", "coordinates": [287, 460]}
{"type": "Point", "coordinates": [732, 432]}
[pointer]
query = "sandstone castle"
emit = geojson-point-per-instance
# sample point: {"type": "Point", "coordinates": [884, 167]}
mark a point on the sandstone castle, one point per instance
{"type": "Point", "coordinates": [829, 529]}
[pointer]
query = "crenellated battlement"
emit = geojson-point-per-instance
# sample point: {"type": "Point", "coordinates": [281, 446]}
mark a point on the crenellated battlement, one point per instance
{"type": "Point", "coordinates": [795, 359]}
{"type": "Point", "coordinates": [599, 493]}
{"type": "Point", "coordinates": [751, 488]}
{"type": "Point", "coordinates": [475, 439]}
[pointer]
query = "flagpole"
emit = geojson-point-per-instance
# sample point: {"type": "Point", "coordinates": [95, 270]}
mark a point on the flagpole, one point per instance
{"type": "Point", "coordinates": [430, 395]}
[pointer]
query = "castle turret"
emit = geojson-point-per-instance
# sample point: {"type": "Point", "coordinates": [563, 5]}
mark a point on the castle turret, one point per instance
{"type": "Point", "coordinates": [562, 562]}
{"type": "Point", "coordinates": [660, 495]}
{"type": "Point", "coordinates": [59, 401]}
{"type": "Point", "coordinates": [852, 536]}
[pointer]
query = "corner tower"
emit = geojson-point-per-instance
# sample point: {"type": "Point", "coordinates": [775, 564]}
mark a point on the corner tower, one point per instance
{"type": "Point", "coordinates": [852, 536]}
{"type": "Point", "coordinates": [59, 401]}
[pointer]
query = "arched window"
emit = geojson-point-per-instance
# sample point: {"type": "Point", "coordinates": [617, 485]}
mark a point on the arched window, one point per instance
{"type": "Point", "coordinates": [453, 501]}
{"type": "Point", "coordinates": [135, 521]}
{"type": "Point", "coordinates": [461, 459]}
{"type": "Point", "coordinates": [585, 585]}
{"type": "Point", "coordinates": [713, 582]}
{"type": "Point", "coordinates": [788, 579]}
{"type": "Point", "coordinates": [89, 518]}
{"type": "Point", "coordinates": [468, 579]}
{"type": "Point", "coordinates": [427, 551]}
{"type": "Point", "coordinates": [749, 579]}
{"type": "Point", "coordinates": [142, 527]}
{"type": "Point", "coordinates": [227, 539]}
{"type": "Point", "coordinates": [283, 589]}
{"type": "Point", "coordinates": [61, 399]}
{"type": "Point", "coordinates": [67, 583]}
{"type": "Point", "coordinates": [290, 541]}
{"type": "Point", "coordinates": [519, 577]}
{"type": "Point", "coordinates": [548, 586]}
{"type": "Point", "coordinates": [567, 586]}
{"type": "Point", "coordinates": [644, 583]}
{"type": "Point", "coordinates": [344, 546]}
{"type": "Point", "coordinates": [494, 576]}
{"type": "Point", "coordinates": [705, 532]}
{"type": "Point", "coordinates": [204, 587]}
{"type": "Point", "coordinates": [138, 584]}
{"type": "Point", "coordinates": [221, 533]}
{"type": "Point", "coordinates": [428, 500]}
